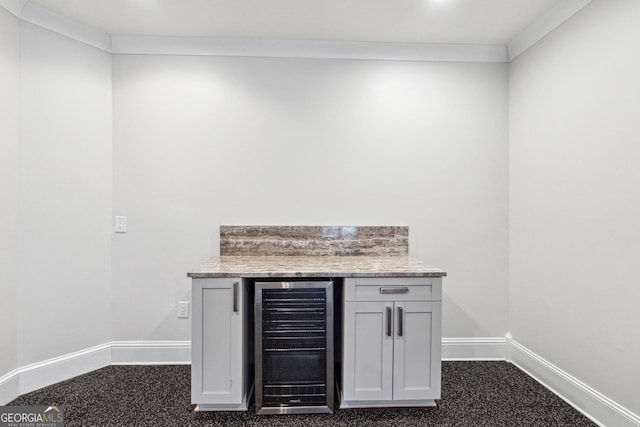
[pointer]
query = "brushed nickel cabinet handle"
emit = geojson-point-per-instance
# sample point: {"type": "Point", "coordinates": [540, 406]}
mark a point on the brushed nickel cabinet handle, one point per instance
{"type": "Point", "coordinates": [235, 297]}
{"type": "Point", "coordinates": [394, 290]}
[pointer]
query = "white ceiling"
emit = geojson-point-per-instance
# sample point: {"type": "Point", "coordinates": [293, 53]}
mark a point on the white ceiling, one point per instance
{"type": "Point", "coordinates": [407, 21]}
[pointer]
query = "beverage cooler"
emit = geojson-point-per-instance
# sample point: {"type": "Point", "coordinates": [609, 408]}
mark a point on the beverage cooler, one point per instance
{"type": "Point", "coordinates": [294, 347]}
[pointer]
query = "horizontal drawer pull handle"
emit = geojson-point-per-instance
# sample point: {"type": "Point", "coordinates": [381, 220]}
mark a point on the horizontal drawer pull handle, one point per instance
{"type": "Point", "coordinates": [394, 290]}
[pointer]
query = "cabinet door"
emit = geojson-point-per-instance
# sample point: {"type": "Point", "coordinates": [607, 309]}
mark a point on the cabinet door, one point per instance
{"type": "Point", "coordinates": [217, 354]}
{"type": "Point", "coordinates": [416, 354]}
{"type": "Point", "coordinates": [368, 351]}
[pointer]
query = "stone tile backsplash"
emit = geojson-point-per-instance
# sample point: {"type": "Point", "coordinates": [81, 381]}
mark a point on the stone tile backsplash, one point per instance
{"type": "Point", "coordinates": [279, 240]}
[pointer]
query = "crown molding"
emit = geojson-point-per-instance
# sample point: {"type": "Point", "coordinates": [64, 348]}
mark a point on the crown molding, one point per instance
{"type": "Point", "coordinates": [548, 22]}
{"type": "Point", "coordinates": [276, 48]}
{"type": "Point", "coordinates": [13, 6]}
{"type": "Point", "coordinates": [44, 18]}
{"type": "Point", "coordinates": [281, 48]}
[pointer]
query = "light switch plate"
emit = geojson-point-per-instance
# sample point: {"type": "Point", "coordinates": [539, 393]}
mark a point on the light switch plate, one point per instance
{"type": "Point", "coordinates": [120, 225]}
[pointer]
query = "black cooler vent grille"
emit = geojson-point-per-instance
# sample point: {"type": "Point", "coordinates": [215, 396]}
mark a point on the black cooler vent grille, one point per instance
{"type": "Point", "coordinates": [296, 395]}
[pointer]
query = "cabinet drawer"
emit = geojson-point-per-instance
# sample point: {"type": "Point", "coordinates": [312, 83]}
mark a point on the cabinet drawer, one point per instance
{"type": "Point", "coordinates": [394, 289]}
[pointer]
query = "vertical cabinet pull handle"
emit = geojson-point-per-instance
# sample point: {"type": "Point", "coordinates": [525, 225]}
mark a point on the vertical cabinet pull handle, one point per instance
{"type": "Point", "coordinates": [235, 297]}
{"type": "Point", "coordinates": [399, 321]}
{"type": "Point", "coordinates": [388, 321]}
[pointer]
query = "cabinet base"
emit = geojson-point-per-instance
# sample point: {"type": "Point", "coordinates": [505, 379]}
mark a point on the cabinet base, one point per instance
{"type": "Point", "coordinates": [295, 410]}
{"type": "Point", "coordinates": [364, 404]}
{"type": "Point", "coordinates": [220, 407]}
{"type": "Point", "coordinates": [358, 404]}
{"type": "Point", "coordinates": [241, 406]}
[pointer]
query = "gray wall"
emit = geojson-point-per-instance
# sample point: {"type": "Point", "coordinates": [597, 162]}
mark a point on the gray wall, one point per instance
{"type": "Point", "coordinates": [575, 198]}
{"type": "Point", "coordinates": [64, 226]}
{"type": "Point", "coordinates": [9, 101]}
{"type": "Point", "coordinates": [204, 141]}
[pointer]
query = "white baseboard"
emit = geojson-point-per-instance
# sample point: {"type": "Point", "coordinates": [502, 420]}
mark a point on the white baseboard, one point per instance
{"type": "Point", "coordinates": [151, 352]}
{"type": "Point", "coordinates": [41, 374]}
{"type": "Point", "coordinates": [593, 404]}
{"type": "Point", "coordinates": [599, 408]}
{"type": "Point", "coordinates": [37, 375]}
{"type": "Point", "coordinates": [492, 348]}
{"type": "Point", "coordinates": [179, 352]}
{"type": "Point", "coordinates": [9, 387]}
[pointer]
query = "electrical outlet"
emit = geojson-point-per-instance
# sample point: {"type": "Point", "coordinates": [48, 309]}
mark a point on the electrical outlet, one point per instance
{"type": "Point", "coordinates": [183, 309]}
{"type": "Point", "coordinates": [120, 225]}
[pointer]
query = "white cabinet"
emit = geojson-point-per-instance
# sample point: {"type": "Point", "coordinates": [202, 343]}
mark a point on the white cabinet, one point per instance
{"type": "Point", "coordinates": [391, 342]}
{"type": "Point", "coordinates": [416, 352]}
{"type": "Point", "coordinates": [368, 352]}
{"type": "Point", "coordinates": [218, 360]}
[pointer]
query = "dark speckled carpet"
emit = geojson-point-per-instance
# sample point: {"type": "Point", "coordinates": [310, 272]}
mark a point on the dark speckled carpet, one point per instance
{"type": "Point", "coordinates": [473, 394]}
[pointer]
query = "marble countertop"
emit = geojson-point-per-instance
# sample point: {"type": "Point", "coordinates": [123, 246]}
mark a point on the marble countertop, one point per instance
{"type": "Point", "coordinates": [315, 266]}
